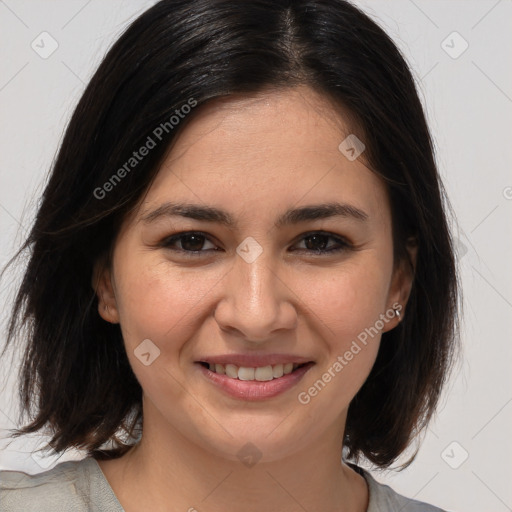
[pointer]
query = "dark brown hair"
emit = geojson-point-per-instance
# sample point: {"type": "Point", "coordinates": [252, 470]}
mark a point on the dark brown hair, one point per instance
{"type": "Point", "coordinates": [75, 374]}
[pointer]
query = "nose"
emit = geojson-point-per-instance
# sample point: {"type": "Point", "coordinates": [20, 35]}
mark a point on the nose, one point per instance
{"type": "Point", "coordinates": [256, 302]}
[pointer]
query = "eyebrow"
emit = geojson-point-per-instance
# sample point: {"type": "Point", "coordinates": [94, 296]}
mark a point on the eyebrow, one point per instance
{"type": "Point", "coordinates": [292, 216]}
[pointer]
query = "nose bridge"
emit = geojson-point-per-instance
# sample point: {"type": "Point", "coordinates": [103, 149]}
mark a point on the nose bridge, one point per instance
{"type": "Point", "coordinates": [259, 283]}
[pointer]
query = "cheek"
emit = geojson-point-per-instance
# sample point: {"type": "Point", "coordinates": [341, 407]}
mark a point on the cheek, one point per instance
{"type": "Point", "coordinates": [162, 303]}
{"type": "Point", "coordinates": [348, 299]}
{"type": "Point", "coordinates": [346, 308]}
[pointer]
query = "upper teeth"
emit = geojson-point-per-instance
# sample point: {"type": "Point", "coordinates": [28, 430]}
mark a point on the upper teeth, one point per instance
{"type": "Point", "coordinates": [261, 373]}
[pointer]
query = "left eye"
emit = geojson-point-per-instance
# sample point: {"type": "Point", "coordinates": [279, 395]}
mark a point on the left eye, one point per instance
{"type": "Point", "coordinates": [318, 243]}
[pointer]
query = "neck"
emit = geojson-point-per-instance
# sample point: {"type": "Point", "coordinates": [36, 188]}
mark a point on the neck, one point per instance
{"type": "Point", "coordinates": [165, 468]}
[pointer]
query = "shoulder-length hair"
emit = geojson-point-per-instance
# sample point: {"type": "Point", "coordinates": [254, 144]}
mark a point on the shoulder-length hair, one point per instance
{"type": "Point", "coordinates": [75, 372]}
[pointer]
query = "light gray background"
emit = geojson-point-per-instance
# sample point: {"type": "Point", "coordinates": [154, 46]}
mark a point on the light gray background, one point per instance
{"type": "Point", "coordinates": [469, 106]}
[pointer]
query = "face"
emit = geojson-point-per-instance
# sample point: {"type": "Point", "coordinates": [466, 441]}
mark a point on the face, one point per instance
{"type": "Point", "coordinates": [295, 289]}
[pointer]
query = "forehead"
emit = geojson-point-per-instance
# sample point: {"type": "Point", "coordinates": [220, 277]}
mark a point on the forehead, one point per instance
{"type": "Point", "coordinates": [282, 123]}
{"type": "Point", "coordinates": [274, 149]}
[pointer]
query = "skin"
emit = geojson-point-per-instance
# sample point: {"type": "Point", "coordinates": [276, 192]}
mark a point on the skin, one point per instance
{"type": "Point", "coordinates": [254, 157]}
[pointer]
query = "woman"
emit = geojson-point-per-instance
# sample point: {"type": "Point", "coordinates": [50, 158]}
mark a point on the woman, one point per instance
{"type": "Point", "coordinates": [240, 267]}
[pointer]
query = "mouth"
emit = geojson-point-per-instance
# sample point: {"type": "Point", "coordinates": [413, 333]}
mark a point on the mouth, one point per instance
{"type": "Point", "coordinates": [253, 376]}
{"type": "Point", "coordinates": [259, 374]}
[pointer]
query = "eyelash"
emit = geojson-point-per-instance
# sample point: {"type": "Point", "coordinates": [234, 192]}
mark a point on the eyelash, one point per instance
{"type": "Point", "coordinates": [343, 245]}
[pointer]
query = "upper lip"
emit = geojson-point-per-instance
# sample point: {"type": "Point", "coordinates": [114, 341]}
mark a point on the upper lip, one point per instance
{"type": "Point", "coordinates": [254, 361]}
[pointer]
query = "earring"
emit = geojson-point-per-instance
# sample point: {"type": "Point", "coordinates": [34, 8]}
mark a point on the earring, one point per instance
{"type": "Point", "coordinates": [397, 313]}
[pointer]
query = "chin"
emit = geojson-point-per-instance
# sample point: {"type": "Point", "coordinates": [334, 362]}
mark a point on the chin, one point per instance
{"type": "Point", "coordinates": [258, 439]}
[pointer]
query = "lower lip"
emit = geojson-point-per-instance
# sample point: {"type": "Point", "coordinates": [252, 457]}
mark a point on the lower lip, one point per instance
{"type": "Point", "coordinates": [253, 389]}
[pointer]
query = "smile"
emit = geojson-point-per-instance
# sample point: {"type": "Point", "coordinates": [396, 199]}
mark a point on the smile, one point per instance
{"type": "Point", "coordinates": [252, 383]}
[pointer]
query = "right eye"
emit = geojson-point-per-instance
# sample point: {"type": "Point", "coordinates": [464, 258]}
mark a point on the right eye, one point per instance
{"type": "Point", "coordinates": [191, 243]}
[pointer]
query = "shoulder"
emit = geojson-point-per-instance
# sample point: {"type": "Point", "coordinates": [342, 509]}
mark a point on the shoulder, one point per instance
{"type": "Point", "coordinates": [383, 497]}
{"type": "Point", "coordinates": [72, 485]}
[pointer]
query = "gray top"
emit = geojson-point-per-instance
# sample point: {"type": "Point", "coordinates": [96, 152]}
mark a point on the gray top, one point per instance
{"type": "Point", "coordinates": [81, 486]}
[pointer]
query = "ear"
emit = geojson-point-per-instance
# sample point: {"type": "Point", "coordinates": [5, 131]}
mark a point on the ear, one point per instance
{"type": "Point", "coordinates": [401, 284]}
{"type": "Point", "coordinates": [102, 285]}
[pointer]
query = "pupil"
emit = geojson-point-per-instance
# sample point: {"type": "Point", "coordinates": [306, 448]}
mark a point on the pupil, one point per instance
{"type": "Point", "coordinates": [192, 247]}
{"type": "Point", "coordinates": [316, 237]}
